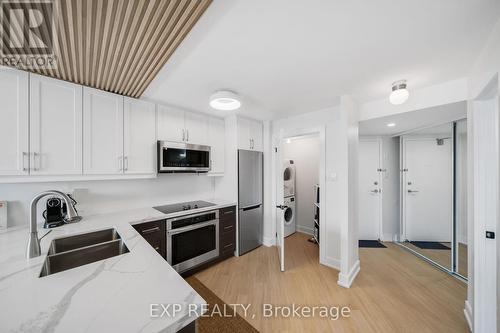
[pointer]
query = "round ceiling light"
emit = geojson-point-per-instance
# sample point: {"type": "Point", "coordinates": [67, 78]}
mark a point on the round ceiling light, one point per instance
{"type": "Point", "coordinates": [225, 100]}
{"type": "Point", "coordinates": [399, 93]}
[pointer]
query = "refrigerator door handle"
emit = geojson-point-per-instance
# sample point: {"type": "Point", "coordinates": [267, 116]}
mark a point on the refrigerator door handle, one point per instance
{"type": "Point", "coordinates": [250, 207]}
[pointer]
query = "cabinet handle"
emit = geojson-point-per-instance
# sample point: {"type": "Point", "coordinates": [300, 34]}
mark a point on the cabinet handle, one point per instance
{"type": "Point", "coordinates": [228, 227]}
{"type": "Point", "coordinates": [183, 135]}
{"type": "Point", "coordinates": [150, 230]}
{"type": "Point", "coordinates": [228, 245]}
{"type": "Point", "coordinates": [228, 212]}
{"type": "Point", "coordinates": [34, 161]}
{"type": "Point", "coordinates": [187, 135]}
{"type": "Point", "coordinates": [120, 163]}
{"type": "Point", "coordinates": [157, 248]}
{"type": "Point", "coordinates": [125, 163]}
{"type": "Point", "coordinates": [25, 169]}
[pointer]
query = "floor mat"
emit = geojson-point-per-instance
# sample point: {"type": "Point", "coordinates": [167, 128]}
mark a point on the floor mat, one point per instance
{"type": "Point", "coordinates": [371, 243]}
{"type": "Point", "coordinates": [216, 323]}
{"type": "Point", "coordinates": [430, 245]}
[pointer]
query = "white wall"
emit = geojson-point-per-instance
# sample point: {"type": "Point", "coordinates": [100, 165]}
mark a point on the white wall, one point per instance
{"type": "Point", "coordinates": [305, 154]}
{"type": "Point", "coordinates": [391, 191]}
{"type": "Point", "coordinates": [95, 197]}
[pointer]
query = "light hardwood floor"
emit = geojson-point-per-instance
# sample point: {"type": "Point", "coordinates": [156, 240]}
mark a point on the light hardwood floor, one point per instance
{"type": "Point", "coordinates": [394, 292]}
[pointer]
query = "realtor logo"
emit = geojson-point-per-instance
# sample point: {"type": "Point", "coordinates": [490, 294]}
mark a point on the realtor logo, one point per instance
{"type": "Point", "coordinates": [28, 33]}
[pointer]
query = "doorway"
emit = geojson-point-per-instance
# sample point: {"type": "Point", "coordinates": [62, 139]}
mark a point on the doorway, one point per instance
{"type": "Point", "coordinates": [370, 189]}
{"type": "Point", "coordinates": [298, 174]}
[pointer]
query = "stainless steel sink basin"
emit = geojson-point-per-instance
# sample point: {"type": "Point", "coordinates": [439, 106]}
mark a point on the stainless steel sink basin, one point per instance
{"type": "Point", "coordinates": [77, 241]}
{"type": "Point", "coordinates": [74, 251]}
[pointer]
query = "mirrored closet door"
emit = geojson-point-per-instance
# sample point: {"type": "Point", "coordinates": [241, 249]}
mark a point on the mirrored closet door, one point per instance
{"type": "Point", "coordinates": [433, 195]}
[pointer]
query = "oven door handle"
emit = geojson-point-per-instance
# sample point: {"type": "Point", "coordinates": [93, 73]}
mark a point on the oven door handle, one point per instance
{"type": "Point", "coordinates": [191, 227]}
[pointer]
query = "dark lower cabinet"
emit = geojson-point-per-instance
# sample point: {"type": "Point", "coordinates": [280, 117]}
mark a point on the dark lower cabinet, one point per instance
{"type": "Point", "coordinates": [155, 234]}
{"type": "Point", "coordinates": [190, 328]}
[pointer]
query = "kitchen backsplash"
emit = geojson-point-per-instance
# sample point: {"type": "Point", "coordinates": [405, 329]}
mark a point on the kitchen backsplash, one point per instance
{"type": "Point", "coordinates": [96, 197]}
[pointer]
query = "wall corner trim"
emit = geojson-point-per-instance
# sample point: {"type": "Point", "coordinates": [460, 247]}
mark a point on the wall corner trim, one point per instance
{"type": "Point", "coordinates": [346, 280]}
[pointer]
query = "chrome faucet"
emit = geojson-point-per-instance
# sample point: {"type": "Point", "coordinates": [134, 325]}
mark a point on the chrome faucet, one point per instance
{"type": "Point", "coordinates": [33, 249]}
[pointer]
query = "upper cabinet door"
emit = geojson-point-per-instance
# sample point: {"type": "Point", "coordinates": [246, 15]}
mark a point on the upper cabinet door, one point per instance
{"type": "Point", "coordinates": [196, 128]}
{"type": "Point", "coordinates": [256, 135]}
{"type": "Point", "coordinates": [102, 132]}
{"type": "Point", "coordinates": [139, 137]}
{"type": "Point", "coordinates": [244, 139]}
{"type": "Point", "coordinates": [217, 142]}
{"type": "Point", "coordinates": [55, 126]}
{"type": "Point", "coordinates": [171, 124]}
{"type": "Point", "coordinates": [14, 122]}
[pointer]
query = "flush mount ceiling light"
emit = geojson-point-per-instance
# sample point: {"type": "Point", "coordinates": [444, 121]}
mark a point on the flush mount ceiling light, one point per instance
{"type": "Point", "coordinates": [225, 100]}
{"type": "Point", "coordinates": [391, 124]}
{"type": "Point", "coordinates": [399, 93]}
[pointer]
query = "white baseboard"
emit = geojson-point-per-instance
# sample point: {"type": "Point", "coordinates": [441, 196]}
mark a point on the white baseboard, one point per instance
{"type": "Point", "coordinates": [468, 314]}
{"type": "Point", "coordinates": [269, 241]}
{"type": "Point", "coordinates": [330, 262]}
{"type": "Point", "coordinates": [305, 230]}
{"type": "Point", "coordinates": [346, 280]}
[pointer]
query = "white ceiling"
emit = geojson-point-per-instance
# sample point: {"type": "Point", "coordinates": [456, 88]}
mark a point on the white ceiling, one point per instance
{"type": "Point", "coordinates": [288, 57]}
{"type": "Point", "coordinates": [422, 120]}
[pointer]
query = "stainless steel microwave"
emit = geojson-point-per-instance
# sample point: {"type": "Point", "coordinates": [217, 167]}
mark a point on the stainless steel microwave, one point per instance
{"type": "Point", "coordinates": [182, 157]}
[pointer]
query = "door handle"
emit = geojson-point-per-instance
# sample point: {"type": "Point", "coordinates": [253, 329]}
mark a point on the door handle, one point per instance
{"type": "Point", "coordinates": [282, 207]}
{"type": "Point", "coordinates": [25, 169]}
{"type": "Point", "coordinates": [374, 191]}
{"type": "Point", "coordinates": [412, 191]}
{"type": "Point", "coordinates": [34, 161]}
{"type": "Point", "coordinates": [183, 135]}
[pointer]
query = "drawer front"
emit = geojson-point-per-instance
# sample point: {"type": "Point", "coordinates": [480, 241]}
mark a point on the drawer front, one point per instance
{"type": "Point", "coordinates": [154, 234]}
{"type": "Point", "coordinates": [227, 242]}
{"type": "Point", "coordinates": [227, 216]}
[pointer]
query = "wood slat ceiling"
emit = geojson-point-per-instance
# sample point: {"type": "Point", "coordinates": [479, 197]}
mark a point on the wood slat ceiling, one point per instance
{"type": "Point", "coordinates": [119, 45]}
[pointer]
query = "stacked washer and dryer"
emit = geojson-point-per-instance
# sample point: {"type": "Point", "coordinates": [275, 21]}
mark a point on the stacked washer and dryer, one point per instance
{"type": "Point", "coordinates": [289, 197]}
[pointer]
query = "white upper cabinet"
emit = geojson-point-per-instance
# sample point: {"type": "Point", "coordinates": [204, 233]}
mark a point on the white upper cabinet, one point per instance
{"type": "Point", "coordinates": [14, 131]}
{"type": "Point", "coordinates": [182, 126]}
{"type": "Point", "coordinates": [196, 125]}
{"type": "Point", "coordinates": [139, 137]}
{"type": "Point", "coordinates": [256, 135]}
{"type": "Point", "coordinates": [249, 134]}
{"type": "Point", "coordinates": [171, 124]}
{"type": "Point", "coordinates": [216, 139]}
{"type": "Point", "coordinates": [55, 126]}
{"type": "Point", "coordinates": [102, 132]}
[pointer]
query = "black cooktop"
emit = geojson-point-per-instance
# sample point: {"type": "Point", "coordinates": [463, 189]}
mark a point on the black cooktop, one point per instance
{"type": "Point", "coordinates": [183, 206]}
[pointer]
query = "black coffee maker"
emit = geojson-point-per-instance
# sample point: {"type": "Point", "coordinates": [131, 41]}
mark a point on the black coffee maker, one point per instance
{"type": "Point", "coordinates": [56, 212]}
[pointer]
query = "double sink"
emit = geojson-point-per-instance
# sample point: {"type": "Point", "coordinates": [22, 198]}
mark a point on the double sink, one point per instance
{"type": "Point", "coordinates": [78, 250]}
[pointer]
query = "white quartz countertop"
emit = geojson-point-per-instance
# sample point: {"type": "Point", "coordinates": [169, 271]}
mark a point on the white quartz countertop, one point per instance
{"type": "Point", "coordinates": [111, 295]}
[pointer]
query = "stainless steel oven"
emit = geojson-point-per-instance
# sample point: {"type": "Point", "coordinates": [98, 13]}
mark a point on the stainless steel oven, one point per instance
{"type": "Point", "coordinates": [192, 240]}
{"type": "Point", "coordinates": [183, 157]}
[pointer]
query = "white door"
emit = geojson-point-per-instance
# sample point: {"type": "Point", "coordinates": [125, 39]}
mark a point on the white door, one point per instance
{"type": "Point", "coordinates": [55, 126]}
{"type": "Point", "coordinates": [370, 186]}
{"type": "Point", "coordinates": [427, 189]}
{"type": "Point", "coordinates": [139, 137]}
{"type": "Point", "coordinates": [196, 128]}
{"type": "Point", "coordinates": [280, 206]}
{"type": "Point", "coordinates": [244, 133]}
{"type": "Point", "coordinates": [256, 135]}
{"type": "Point", "coordinates": [14, 148]}
{"type": "Point", "coordinates": [171, 124]}
{"type": "Point", "coordinates": [102, 132]}
{"type": "Point", "coordinates": [217, 142]}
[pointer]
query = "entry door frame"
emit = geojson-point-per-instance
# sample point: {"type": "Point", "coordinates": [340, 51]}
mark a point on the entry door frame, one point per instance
{"type": "Point", "coordinates": [380, 170]}
{"type": "Point", "coordinates": [277, 140]}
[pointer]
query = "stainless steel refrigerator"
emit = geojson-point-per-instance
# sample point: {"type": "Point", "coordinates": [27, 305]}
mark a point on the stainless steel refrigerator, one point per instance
{"type": "Point", "coordinates": [250, 213]}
